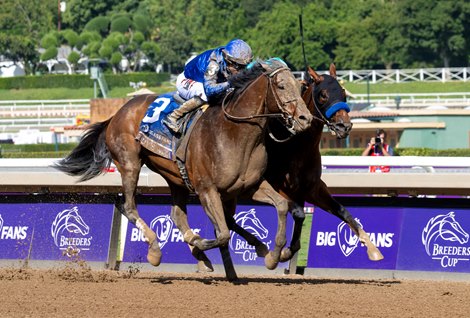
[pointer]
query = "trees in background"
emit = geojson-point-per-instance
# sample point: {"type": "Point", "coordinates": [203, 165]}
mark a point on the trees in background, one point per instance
{"type": "Point", "coordinates": [354, 34]}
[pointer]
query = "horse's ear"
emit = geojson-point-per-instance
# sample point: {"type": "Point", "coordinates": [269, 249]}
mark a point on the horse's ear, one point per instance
{"type": "Point", "coordinates": [316, 78]}
{"type": "Point", "coordinates": [333, 70]}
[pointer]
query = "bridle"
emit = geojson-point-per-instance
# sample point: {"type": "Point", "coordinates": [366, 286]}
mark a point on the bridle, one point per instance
{"type": "Point", "coordinates": [287, 118]}
{"type": "Point", "coordinates": [332, 127]}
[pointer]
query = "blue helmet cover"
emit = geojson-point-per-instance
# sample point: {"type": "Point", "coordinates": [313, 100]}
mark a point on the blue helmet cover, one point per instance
{"type": "Point", "coordinates": [238, 51]}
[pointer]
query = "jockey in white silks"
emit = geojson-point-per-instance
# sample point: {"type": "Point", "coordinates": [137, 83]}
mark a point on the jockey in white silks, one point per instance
{"type": "Point", "coordinates": [205, 76]}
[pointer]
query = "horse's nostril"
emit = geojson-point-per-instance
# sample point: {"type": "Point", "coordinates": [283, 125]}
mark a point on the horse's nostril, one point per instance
{"type": "Point", "coordinates": [306, 119]}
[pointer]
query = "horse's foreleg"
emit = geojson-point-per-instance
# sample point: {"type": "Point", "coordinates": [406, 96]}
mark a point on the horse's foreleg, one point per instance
{"type": "Point", "coordinates": [210, 200]}
{"type": "Point", "coordinates": [130, 177]}
{"type": "Point", "coordinates": [323, 199]}
{"type": "Point", "coordinates": [179, 215]}
{"type": "Point", "coordinates": [265, 193]}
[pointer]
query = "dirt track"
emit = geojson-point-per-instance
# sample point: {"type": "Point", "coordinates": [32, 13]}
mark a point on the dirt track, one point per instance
{"type": "Point", "coordinates": [77, 291]}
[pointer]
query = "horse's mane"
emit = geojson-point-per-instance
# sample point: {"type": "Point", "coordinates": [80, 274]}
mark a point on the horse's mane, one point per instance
{"type": "Point", "coordinates": [255, 69]}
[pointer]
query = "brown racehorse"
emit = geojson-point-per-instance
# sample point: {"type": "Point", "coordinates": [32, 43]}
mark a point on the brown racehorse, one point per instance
{"type": "Point", "coordinates": [226, 154]}
{"type": "Point", "coordinates": [294, 166]}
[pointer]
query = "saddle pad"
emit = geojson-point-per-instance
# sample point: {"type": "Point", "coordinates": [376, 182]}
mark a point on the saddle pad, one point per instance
{"type": "Point", "coordinates": [153, 134]}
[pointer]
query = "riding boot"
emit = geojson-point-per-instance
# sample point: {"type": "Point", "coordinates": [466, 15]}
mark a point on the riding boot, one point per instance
{"type": "Point", "coordinates": [172, 120]}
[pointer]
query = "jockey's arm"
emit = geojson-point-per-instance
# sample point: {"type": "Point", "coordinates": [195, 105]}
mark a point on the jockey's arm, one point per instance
{"type": "Point", "coordinates": [211, 87]}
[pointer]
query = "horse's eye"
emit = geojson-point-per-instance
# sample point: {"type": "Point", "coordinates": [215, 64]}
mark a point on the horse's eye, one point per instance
{"type": "Point", "coordinates": [323, 96]}
{"type": "Point", "coordinates": [281, 85]}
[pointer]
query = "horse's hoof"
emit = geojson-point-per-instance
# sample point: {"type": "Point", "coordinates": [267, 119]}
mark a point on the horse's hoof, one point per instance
{"type": "Point", "coordinates": [204, 267]}
{"type": "Point", "coordinates": [286, 254]}
{"type": "Point", "coordinates": [269, 262]}
{"type": "Point", "coordinates": [374, 254]}
{"type": "Point", "coordinates": [154, 255]}
{"type": "Point", "coordinates": [261, 250]}
{"type": "Point", "coordinates": [190, 238]}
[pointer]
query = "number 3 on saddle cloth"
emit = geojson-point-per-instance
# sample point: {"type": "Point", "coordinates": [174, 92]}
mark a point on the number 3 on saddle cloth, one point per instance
{"type": "Point", "coordinates": [155, 136]}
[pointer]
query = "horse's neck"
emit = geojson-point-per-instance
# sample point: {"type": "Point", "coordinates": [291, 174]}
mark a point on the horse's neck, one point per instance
{"type": "Point", "coordinates": [251, 100]}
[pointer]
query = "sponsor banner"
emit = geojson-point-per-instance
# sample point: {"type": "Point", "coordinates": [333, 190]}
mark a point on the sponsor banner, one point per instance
{"type": "Point", "coordinates": [16, 228]}
{"type": "Point", "coordinates": [334, 245]}
{"type": "Point", "coordinates": [64, 231]}
{"type": "Point", "coordinates": [261, 221]}
{"type": "Point", "coordinates": [435, 240]}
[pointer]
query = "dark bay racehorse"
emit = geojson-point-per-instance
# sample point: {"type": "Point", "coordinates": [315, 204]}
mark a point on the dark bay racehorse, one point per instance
{"type": "Point", "coordinates": [226, 154]}
{"type": "Point", "coordinates": [294, 166]}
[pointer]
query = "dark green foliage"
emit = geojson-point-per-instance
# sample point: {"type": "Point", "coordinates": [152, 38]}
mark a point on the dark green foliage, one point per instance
{"type": "Point", "coordinates": [73, 57]}
{"type": "Point", "coordinates": [142, 23]}
{"type": "Point", "coordinates": [49, 40]}
{"type": "Point", "coordinates": [98, 24]}
{"type": "Point", "coordinates": [50, 53]}
{"type": "Point", "coordinates": [122, 25]}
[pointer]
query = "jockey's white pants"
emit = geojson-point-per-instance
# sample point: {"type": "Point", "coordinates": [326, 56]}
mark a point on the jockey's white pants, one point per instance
{"type": "Point", "coordinates": [187, 88]}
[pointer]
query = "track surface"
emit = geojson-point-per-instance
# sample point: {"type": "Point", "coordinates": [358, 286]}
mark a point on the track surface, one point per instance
{"type": "Point", "coordinates": [77, 291]}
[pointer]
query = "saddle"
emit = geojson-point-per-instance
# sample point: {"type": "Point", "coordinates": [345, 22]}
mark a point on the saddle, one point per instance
{"type": "Point", "coordinates": [156, 137]}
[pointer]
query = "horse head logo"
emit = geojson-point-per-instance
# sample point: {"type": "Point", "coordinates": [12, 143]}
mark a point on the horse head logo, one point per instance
{"type": "Point", "coordinates": [347, 239]}
{"type": "Point", "coordinates": [162, 225]}
{"type": "Point", "coordinates": [70, 221]}
{"type": "Point", "coordinates": [443, 226]}
{"type": "Point", "coordinates": [250, 222]}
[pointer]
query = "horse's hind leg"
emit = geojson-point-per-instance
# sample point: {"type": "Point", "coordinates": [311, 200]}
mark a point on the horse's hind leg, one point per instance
{"type": "Point", "coordinates": [323, 199]}
{"type": "Point", "coordinates": [128, 163]}
{"type": "Point", "coordinates": [265, 193]}
{"type": "Point", "coordinates": [298, 215]}
{"type": "Point", "coordinates": [229, 211]}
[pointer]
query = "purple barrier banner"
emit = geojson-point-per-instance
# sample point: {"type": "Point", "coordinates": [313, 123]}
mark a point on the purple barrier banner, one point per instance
{"type": "Point", "coordinates": [261, 221]}
{"type": "Point", "coordinates": [57, 231]}
{"type": "Point", "coordinates": [16, 228]}
{"type": "Point", "coordinates": [435, 240]}
{"type": "Point", "coordinates": [334, 245]}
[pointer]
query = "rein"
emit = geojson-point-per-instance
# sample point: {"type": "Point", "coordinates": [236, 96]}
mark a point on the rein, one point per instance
{"type": "Point", "coordinates": [279, 103]}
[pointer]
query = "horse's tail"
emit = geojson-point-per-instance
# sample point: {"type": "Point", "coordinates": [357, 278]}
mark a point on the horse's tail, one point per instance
{"type": "Point", "coordinates": [91, 157]}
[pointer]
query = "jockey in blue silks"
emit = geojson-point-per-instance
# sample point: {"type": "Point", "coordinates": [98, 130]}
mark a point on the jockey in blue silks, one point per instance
{"type": "Point", "coordinates": [205, 76]}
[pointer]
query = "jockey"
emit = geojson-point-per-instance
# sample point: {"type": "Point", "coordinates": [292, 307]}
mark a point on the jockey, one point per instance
{"type": "Point", "coordinates": [205, 76]}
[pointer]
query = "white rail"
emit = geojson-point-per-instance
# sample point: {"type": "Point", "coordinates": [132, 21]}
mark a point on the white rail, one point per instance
{"type": "Point", "coordinates": [402, 75]}
{"type": "Point", "coordinates": [36, 175]}
{"type": "Point", "coordinates": [40, 114]}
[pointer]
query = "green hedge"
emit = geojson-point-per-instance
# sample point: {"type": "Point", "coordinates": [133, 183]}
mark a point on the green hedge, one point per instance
{"type": "Point", "coordinates": [81, 81]}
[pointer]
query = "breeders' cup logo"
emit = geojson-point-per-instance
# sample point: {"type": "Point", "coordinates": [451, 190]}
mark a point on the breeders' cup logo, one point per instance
{"type": "Point", "coordinates": [348, 241]}
{"type": "Point", "coordinates": [162, 226]}
{"type": "Point", "coordinates": [250, 222]}
{"type": "Point", "coordinates": [443, 238]}
{"type": "Point", "coordinates": [70, 231]}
